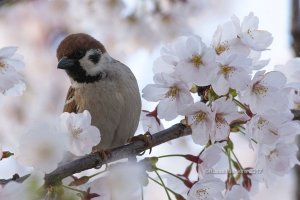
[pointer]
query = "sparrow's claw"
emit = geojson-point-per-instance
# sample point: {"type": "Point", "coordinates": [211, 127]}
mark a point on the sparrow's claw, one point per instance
{"type": "Point", "coordinates": [146, 138]}
{"type": "Point", "coordinates": [103, 153]}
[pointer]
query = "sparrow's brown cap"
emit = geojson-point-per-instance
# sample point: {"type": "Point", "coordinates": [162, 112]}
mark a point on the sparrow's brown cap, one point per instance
{"type": "Point", "coordinates": [75, 42]}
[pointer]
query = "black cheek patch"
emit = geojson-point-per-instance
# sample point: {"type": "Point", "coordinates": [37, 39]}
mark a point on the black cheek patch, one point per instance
{"type": "Point", "coordinates": [78, 74]}
{"type": "Point", "coordinates": [94, 58]}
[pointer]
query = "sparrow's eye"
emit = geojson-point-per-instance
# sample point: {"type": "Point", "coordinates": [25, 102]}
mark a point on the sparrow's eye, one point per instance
{"type": "Point", "coordinates": [79, 54]}
{"type": "Point", "coordinates": [95, 57]}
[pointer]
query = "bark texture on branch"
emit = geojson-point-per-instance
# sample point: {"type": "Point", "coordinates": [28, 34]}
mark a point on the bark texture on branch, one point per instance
{"type": "Point", "coordinates": [94, 160]}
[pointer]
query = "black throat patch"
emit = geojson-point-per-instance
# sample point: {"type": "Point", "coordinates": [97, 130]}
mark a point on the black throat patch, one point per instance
{"type": "Point", "coordinates": [78, 74]}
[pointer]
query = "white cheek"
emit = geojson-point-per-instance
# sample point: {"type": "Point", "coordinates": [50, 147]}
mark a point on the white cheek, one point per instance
{"type": "Point", "coordinates": [91, 68]}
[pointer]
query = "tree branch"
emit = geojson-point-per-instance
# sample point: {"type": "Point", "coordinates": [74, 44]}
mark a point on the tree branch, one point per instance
{"type": "Point", "coordinates": [15, 178]}
{"type": "Point", "coordinates": [94, 160]}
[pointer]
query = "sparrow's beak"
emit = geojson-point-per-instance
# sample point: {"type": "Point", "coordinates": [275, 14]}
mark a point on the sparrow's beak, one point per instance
{"type": "Point", "coordinates": [65, 63]}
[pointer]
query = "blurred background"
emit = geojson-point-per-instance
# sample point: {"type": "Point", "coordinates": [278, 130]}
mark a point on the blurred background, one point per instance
{"type": "Point", "coordinates": [133, 32]}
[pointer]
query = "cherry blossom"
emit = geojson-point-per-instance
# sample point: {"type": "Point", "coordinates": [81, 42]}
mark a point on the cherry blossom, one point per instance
{"type": "Point", "coordinates": [292, 72]}
{"type": "Point", "coordinates": [197, 61]}
{"type": "Point", "coordinates": [42, 148]}
{"type": "Point", "coordinates": [175, 184]}
{"type": "Point", "coordinates": [266, 91]}
{"type": "Point", "coordinates": [249, 33]}
{"type": "Point", "coordinates": [120, 176]}
{"type": "Point", "coordinates": [267, 128]}
{"type": "Point", "coordinates": [115, 184]}
{"type": "Point", "coordinates": [189, 58]}
{"type": "Point", "coordinates": [171, 93]}
{"type": "Point", "coordinates": [237, 192]}
{"type": "Point", "coordinates": [27, 190]}
{"type": "Point", "coordinates": [257, 63]}
{"type": "Point", "coordinates": [225, 41]}
{"type": "Point", "coordinates": [209, 188]}
{"type": "Point", "coordinates": [100, 187]}
{"type": "Point", "coordinates": [81, 134]}
{"type": "Point", "coordinates": [13, 191]}
{"type": "Point", "coordinates": [233, 72]}
{"type": "Point", "coordinates": [200, 117]}
{"type": "Point", "coordinates": [11, 81]}
{"type": "Point", "coordinates": [168, 60]}
{"type": "Point", "coordinates": [151, 122]}
{"type": "Point", "coordinates": [277, 159]}
{"type": "Point", "coordinates": [224, 113]}
{"type": "Point", "coordinates": [209, 158]}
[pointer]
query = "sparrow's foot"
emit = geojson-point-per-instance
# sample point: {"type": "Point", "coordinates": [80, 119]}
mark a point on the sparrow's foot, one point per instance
{"type": "Point", "coordinates": [146, 138]}
{"type": "Point", "coordinates": [103, 153]}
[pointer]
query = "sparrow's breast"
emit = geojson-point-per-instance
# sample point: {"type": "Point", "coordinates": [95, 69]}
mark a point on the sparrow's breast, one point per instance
{"type": "Point", "coordinates": [114, 106]}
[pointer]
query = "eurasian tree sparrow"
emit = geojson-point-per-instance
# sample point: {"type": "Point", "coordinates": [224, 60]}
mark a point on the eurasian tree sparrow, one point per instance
{"type": "Point", "coordinates": [102, 85]}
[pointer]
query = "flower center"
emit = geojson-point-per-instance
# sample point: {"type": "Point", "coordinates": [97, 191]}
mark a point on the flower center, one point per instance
{"type": "Point", "coordinates": [202, 193]}
{"type": "Point", "coordinates": [220, 49]}
{"type": "Point", "coordinates": [259, 89]}
{"type": "Point", "coordinates": [226, 70]}
{"type": "Point", "coordinates": [200, 116]}
{"type": "Point", "coordinates": [197, 60]}
{"type": "Point", "coordinates": [220, 120]}
{"type": "Point", "coordinates": [261, 123]}
{"type": "Point", "coordinates": [2, 64]}
{"type": "Point", "coordinates": [273, 155]}
{"type": "Point", "coordinates": [132, 19]}
{"type": "Point", "coordinates": [166, 19]}
{"type": "Point", "coordinates": [45, 152]}
{"type": "Point", "coordinates": [76, 131]}
{"type": "Point", "coordinates": [173, 92]}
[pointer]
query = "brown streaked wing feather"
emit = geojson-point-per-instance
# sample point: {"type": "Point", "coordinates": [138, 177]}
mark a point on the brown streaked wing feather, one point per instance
{"type": "Point", "coordinates": [70, 104]}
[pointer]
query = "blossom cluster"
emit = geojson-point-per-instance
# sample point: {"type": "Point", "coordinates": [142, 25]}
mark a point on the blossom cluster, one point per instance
{"type": "Point", "coordinates": [221, 89]}
{"type": "Point", "coordinates": [11, 81]}
{"type": "Point", "coordinates": [44, 145]}
{"type": "Point", "coordinates": [235, 94]}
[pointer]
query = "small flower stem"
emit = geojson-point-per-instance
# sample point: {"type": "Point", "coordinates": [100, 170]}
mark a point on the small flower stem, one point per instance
{"type": "Point", "coordinates": [251, 138]}
{"type": "Point", "coordinates": [229, 160]}
{"type": "Point", "coordinates": [240, 104]}
{"type": "Point", "coordinates": [237, 160]}
{"type": "Point", "coordinates": [170, 174]}
{"type": "Point", "coordinates": [152, 179]}
{"type": "Point", "coordinates": [76, 190]}
{"type": "Point", "coordinates": [163, 184]}
{"type": "Point", "coordinates": [171, 155]}
{"type": "Point", "coordinates": [97, 174]}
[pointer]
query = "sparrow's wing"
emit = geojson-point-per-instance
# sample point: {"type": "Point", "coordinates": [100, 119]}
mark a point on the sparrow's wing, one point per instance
{"type": "Point", "coordinates": [70, 104]}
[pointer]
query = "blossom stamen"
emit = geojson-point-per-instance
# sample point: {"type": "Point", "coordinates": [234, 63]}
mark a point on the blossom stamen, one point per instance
{"type": "Point", "coordinates": [197, 60]}
{"type": "Point", "coordinates": [76, 131]}
{"type": "Point", "coordinates": [220, 120]}
{"type": "Point", "coordinates": [273, 155]}
{"type": "Point", "coordinates": [200, 116]}
{"type": "Point", "coordinates": [202, 193]}
{"type": "Point", "coordinates": [220, 49]}
{"type": "Point", "coordinates": [173, 92]}
{"type": "Point", "coordinates": [226, 70]}
{"type": "Point", "coordinates": [2, 64]}
{"type": "Point", "coordinates": [45, 152]}
{"type": "Point", "coordinates": [261, 123]}
{"type": "Point", "coordinates": [259, 89]}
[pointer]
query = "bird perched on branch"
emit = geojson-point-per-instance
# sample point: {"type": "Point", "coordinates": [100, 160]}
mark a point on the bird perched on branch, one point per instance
{"type": "Point", "coordinates": [102, 85]}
